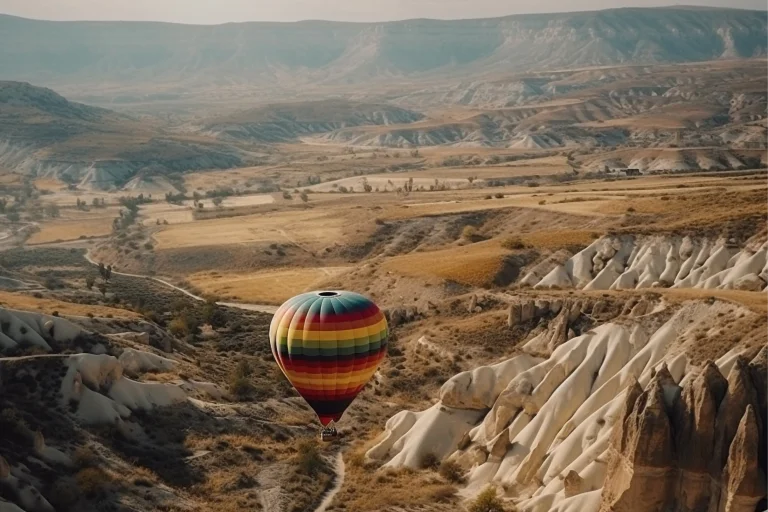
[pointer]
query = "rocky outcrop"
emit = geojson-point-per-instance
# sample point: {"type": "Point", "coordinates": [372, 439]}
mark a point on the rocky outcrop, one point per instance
{"type": "Point", "coordinates": [626, 262]}
{"type": "Point", "coordinates": [642, 456]}
{"type": "Point", "coordinates": [702, 454]}
{"type": "Point", "coordinates": [694, 419]}
{"type": "Point", "coordinates": [743, 481]}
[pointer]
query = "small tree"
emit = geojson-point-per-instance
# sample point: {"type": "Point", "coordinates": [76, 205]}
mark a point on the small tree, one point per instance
{"type": "Point", "coordinates": [89, 282]}
{"type": "Point", "coordinates": [103, 289]}
{"type": "Point", "coordinates": [304, 197]}
{"type": "Point", "coordinates": [108, 272]}
{"type": "Point", "coordinates": [239, 382]}
{"type": "Point", "coordinates": [217, 201]}
{"type": "Point", "coordinates": [487, 501]}
{"type": "Point", "coordinates": [287, 195]}
{"type": "Point", "coordinates": [103, 271]}
{"type": "Point", "coordinates": [52, 211]}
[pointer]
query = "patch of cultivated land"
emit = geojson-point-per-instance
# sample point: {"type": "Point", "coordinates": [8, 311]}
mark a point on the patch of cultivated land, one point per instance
{"type": "Point", "coordinates": [264, 287]}
{"type": "Point", "coordinates": [49, 305]}
{"type": "Point", "coordinates": [474, 265]}
{"type": "Point", "coordinates": [309, 227]}
{"type": "Point", "coordinates": [73, 225]}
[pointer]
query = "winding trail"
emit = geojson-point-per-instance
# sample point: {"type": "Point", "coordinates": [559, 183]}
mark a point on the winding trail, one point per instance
{"type": "Point", "coordinates": [340, 471]}
{"type": "Point", "coordinates": [338, 467]}
{"type": "Point", "coordinates": [262, 308]}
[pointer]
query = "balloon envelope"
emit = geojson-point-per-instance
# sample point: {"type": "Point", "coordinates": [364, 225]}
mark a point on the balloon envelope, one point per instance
{"type": "Point", "coordinates": [328, 345]}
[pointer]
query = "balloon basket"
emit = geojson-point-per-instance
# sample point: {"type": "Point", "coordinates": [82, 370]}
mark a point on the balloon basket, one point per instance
{"type": "Point", "coordinates": [328, 434]}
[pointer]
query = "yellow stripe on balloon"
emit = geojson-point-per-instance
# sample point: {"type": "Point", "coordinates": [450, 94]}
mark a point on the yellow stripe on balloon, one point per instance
{"type": "Point", "coordinates": [335, 336]}
{"type": "Point", "coordinates": [329, 381]}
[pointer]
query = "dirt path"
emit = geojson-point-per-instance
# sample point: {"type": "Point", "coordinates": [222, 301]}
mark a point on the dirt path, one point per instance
{"type": "Point", "coordinates": [262, 308]}
{"type": "Point", "coordinates": [340, 471]}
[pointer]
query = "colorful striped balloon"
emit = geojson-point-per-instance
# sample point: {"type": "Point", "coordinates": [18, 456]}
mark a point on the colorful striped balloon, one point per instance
{"type": "Point", "coordinates": [328, 344]}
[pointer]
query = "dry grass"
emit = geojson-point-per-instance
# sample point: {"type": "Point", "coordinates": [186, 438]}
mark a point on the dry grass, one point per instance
{"type": "Point", "coordinates": [27, 302]}
{"type": "Point", "coordinates": [556, 239]}
{"type": "Point", "coordinates": [365, 490]}
{"type": "Point", "coordinates": [99, 223]}
{"type": "Point", "coordinates": [670, 212]}
{"type": "Point", "coordinates": [474, 264]}
{"type": "Point", "coordinates": [311, 227]}
{"type": "Point", "coordinates": [265, 287]}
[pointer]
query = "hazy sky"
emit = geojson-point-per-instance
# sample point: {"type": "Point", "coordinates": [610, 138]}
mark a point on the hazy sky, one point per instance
{"type": "Point", "coordinates": [221, 11]}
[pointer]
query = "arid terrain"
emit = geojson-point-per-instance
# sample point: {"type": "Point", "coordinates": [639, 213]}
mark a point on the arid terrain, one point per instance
{"type": "Point", "coordinates": [572, 259]}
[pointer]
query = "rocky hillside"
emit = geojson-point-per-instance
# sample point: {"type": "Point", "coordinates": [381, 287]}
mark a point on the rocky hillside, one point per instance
{"type": "Point", "coordinates": [44, 134]}
{"type": "Point", "coordinates": [289, 56]}
{"type": "Point", "coordinates": [629, 262]}
{"type": "Point", "coordinates": [288, 121]}
{"type": "Point", "coordinates": [135, 419]}
{"type": "Point", "coordinates": [697, 105]}
{"type": "Point", "coordinates": [640, 411]}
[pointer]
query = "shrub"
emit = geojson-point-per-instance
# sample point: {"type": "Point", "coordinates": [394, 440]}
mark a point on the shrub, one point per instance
{"type": "Point", "coordinates": [542, 202]}
{"type": "Point", "coordinates": [357, 459]}
{"type": "Point", "coordinates": [308, 460]}
{"type": "Point", "coordinates": [444, 493]}
{"type": "Point", "coordinates": [429, 461]}
{"type": "Point", "coordinates": [469, 232]}
{"type": "Point", "coordinates": [498, 195]}
{"type": "Point", "coordinates": [55, 313]}
{"type": "Point", "coordinates": [52, 283]}
{"type": "Point", "coordinates": [513, 243]}
{"type": "Point", "coordinates": [630, 210]}
{"type": "Point", "coordinates": [533, 184]}
{"type": "Point", "coordinates": [489, 196]}
{"type": "Point", "coordinates": [93, 482]}
{"type": "Point", "coordinates": [487, 501]}
{"type": "Point", "coordinates": [239, 382]}
{"type": "Point", "coordinates": [64, 494]}
{"type": "Point", "coordinates": [84, 457]}
{"type": "Point", "coordinates": [451, 472]}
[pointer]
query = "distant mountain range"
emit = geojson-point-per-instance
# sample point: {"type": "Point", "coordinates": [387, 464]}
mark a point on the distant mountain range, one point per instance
{"type": "Point", "coordinates": [140, 60]}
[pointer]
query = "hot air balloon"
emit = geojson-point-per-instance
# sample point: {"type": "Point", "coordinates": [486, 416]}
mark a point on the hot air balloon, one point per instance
{"type": "Point", "coordinates": [328, 344]}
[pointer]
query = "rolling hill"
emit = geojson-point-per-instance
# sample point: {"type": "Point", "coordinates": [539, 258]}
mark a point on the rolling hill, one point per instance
{"type": "Point", "coordinates": [124, 62]}
{"type": "Point", "coordinates": [43, 133]}
{"type": "Point", "coordinates": [287, 121]}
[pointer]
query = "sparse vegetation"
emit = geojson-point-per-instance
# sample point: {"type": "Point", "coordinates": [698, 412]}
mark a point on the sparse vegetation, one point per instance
{"type": "Point", "coordinates": [487, 501]}
{"type": "Point", "coordinates": [94, 482]}
{"type": "Point", "coordinates": [451, 472]}
{"type": "Point", "coordinates": [308, 460]}
{"type": "Point", "coordinates": [240, 384]}
{"type": "Point", "coordinates": [469, 233]}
